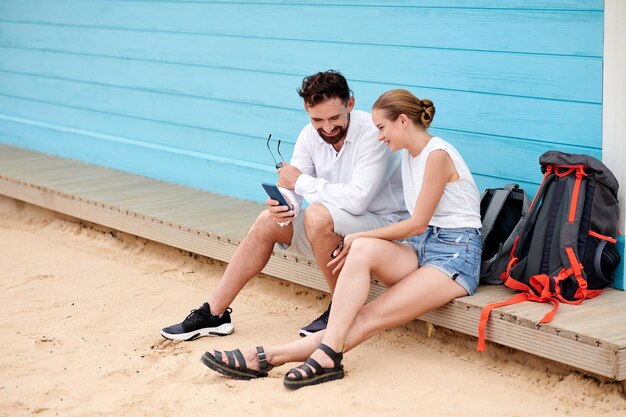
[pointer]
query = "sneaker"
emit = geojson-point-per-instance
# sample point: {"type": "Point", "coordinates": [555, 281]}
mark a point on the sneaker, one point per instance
{"type": "Point", "coordinates": [318, 324]}
{"type": "Point", "coordinates": [200, 323]}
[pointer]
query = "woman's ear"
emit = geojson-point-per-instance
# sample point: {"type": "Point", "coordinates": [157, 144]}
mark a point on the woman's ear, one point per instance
{"type": "Point", "coordinates": [404, 120]}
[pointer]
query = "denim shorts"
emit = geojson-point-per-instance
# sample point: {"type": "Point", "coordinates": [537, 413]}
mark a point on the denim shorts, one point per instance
{"type": "Point", "coordinates": [455, 252]}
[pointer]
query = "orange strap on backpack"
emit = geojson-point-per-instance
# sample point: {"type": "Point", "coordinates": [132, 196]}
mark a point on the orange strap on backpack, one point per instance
{"type": "Point", "coordinates": [541, 282]}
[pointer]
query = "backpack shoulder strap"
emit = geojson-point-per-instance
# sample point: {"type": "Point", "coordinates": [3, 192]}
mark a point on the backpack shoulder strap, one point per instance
{"type": "Point", "coordinates": [528, 219]}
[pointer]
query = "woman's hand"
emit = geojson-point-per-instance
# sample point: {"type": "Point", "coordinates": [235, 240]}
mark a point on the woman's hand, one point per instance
{"type": "Point", "coordinates": [340, 253]}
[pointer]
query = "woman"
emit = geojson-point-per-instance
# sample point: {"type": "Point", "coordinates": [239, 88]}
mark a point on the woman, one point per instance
{"type": "Point", "coordinates": [436, 254]}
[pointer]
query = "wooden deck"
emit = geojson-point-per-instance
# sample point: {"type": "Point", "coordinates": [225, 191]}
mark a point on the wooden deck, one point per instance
{"type": "Point", "coordinates": [591, 337]}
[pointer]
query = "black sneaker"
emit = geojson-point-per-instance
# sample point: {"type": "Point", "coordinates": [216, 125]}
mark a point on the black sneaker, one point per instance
{"type": "Point", "coordinates": [318, 324]}
{"type": "Point", "coordinates": [200, 323]}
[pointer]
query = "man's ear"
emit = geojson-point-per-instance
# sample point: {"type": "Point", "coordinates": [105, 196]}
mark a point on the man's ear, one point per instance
{"type": "Point", "coordinates": [350, 104]}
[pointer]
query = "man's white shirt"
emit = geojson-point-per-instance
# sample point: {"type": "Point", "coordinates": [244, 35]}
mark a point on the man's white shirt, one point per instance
{"type": "Point", "coordinates": [364, 176]}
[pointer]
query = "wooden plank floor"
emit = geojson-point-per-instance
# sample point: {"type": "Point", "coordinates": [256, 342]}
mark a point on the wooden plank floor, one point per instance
{"type": "Point", "coordinates": [591, 337]}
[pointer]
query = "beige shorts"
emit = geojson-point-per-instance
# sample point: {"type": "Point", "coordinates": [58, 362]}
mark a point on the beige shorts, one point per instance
{"type": "Point", "coordinates": [344, 224]}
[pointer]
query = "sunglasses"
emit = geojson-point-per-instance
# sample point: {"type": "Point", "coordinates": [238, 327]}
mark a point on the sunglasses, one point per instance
{"type": "Point", "coordinates": [282, 162]}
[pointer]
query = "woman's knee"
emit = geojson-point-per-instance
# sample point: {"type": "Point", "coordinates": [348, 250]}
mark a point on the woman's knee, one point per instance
{"type": "Point", "coordinates": [363, 251]}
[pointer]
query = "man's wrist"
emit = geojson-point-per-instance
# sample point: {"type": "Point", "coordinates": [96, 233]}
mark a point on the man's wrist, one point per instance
{"type": "Point", "coordinates": [292, 185]}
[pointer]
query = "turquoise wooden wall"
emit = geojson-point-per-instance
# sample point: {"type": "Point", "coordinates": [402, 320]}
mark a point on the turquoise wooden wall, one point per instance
{"type": "Point", "coordinates": [187, 91]}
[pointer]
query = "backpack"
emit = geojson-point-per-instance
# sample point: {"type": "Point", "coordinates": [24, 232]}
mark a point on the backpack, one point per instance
{"type": "Point", "coordinates": [501, 210]}
{"type": "Point", "coordinates": [565, 248]}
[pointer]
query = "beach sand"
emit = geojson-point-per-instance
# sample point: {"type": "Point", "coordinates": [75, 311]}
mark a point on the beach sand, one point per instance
{"type": "Point", "coordinates": [82, 305]}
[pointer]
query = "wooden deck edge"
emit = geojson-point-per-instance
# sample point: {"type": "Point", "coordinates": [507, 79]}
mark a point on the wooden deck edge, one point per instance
{"type": "Point", "coordinates": [602, 359]}
{"type": "Point", "coordinates": [620, 365]}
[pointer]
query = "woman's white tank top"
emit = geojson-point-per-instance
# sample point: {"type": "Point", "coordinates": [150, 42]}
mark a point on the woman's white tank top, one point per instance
{"type": "Point", "coordinates": [460, 203]}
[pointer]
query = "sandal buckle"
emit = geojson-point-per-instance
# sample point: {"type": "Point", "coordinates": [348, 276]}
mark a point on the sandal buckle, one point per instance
{"type": "Point", "coordinates": [262, 361]}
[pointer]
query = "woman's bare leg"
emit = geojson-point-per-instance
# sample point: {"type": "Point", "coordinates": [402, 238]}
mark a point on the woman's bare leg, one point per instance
{"type": "Point", "coordinates": [417, 294]}
{"type": "Point", "coordinates": [366, 256]}
{"type": "Point", "coordinates": [390, 262]}
{"type": "Point", "coordinates": [350, 294]}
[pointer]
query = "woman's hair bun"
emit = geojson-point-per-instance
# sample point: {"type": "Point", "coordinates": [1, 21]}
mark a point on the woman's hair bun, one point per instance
{"type": "Point", "coordinates": [428, 112]}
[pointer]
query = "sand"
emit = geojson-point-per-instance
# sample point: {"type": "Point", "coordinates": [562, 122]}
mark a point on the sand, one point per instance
{"type": "Point", "coordinates": [82, 305]}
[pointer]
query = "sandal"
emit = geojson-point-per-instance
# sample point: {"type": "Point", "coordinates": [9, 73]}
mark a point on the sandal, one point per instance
{"type": "Point", "coordinates": [239, 371]}
{"type": "Point", "coordinates": [303, 375]}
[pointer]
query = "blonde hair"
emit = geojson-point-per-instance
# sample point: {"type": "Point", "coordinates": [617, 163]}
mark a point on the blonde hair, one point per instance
{"type": "Point", "coordinates": [397, 102]}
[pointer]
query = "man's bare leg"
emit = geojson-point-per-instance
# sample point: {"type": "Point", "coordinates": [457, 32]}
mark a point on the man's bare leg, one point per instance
{"type": "Point", "coordinates": [249, 259]}
{"type": "Point", "coordinates": [320, 230]}
{"type": "Point", "coordinates": [251, 256]}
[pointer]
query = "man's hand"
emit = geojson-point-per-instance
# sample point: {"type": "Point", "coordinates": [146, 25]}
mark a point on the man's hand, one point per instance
{"type": "Point", "coordinates": [287, 176]}
{"type": "Point", "coordinates": [279, 213]}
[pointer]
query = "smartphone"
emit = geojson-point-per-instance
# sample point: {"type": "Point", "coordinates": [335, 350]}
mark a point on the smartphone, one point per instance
{"type": "Point", "coordinates": [275, 194]}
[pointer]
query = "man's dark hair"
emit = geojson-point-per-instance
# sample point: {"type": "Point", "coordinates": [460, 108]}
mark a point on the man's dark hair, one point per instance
{"type": "Point", "coordinates": [322, 86]}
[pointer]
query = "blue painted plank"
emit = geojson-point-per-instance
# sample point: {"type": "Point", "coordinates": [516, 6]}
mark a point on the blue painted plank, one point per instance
{"type": "Point", "coordinates": [620, 274]}
{"type": "Point", "coordinates": [541, 120]}
{"type": "Point", "coordinates": [511, 30]}
{"type": "Point", "coordinates": [553, 77]}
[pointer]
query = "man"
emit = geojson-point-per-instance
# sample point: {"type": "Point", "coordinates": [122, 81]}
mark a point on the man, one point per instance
{"type": "Point", "coordinates": [351, 181]}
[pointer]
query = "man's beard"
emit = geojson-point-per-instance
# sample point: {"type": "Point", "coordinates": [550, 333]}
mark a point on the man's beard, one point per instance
{"type": "Point", "coordinates": [340, 133]}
